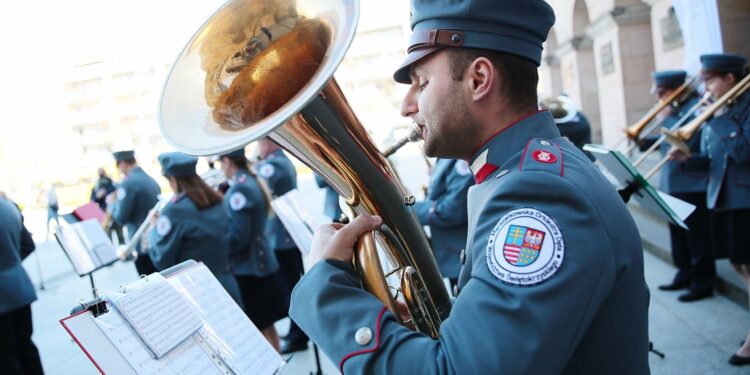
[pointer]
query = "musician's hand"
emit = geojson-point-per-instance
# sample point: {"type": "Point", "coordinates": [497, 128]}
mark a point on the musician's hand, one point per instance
{"type": "Point", "coordinates": [152, 222]}
{"type": "Point", "coordinates": [676, 154]}
{"type": "Point", "coordinates": [336, 241]}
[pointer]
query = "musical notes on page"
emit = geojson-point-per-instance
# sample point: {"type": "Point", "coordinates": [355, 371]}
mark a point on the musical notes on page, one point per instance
{"type": "Point", "coordinates": [187, 358]}
{"type": "Point", "coordinates": [237, 341]}
{"type": "Point", "coordinates": [160, 315]}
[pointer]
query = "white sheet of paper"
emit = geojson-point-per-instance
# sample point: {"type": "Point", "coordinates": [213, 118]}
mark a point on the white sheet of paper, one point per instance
{"type": "Point", "coordinates": [681, 208]}
{"type": "Point", "coordinates": [297, 221]}
{"type": "Point", "coordinates": [161, 316]}
{"type": "Point", "coordinates": [97, 243]}
{"type": "Point", "coordinates": [234, 337]}
{"type": "Point", "coordinates": [75, 249]}
{"type": "Point", "coordinates": [186, 358]}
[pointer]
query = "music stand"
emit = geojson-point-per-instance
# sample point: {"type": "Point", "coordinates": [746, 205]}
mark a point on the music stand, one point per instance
{"type": "Point", "coordinates": [87, 247]}
{"type": "Point", "coordinates": [632, 186]}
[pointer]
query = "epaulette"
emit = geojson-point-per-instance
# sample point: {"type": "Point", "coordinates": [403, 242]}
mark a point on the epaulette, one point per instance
{"type": "Point", "coordinates": [542, 155]}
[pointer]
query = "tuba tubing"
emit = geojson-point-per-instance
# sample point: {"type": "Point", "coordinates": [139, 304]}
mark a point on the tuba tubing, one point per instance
{"type": "Point", "coordinates": [265, 68]}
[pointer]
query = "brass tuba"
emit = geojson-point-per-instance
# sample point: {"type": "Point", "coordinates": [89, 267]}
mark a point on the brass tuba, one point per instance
{"type": "Point", "coordinates": [265, 68]}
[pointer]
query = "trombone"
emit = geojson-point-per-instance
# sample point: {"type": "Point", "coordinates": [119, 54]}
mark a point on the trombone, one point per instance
{"type": "Point", "coordinates": [646, 124]}
{"type": "Point", "coordinates": [681, 136]}
{"type": "Point", "coordinates": [704, 101]}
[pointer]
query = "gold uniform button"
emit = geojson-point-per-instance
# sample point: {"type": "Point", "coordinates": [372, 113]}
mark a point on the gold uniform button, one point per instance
{"type": "Point", "coordinates": [363, 336]}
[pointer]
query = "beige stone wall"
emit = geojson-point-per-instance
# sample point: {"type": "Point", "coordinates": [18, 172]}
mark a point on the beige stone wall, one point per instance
{"type": "Point", "coordinates": [734, 16]}
{"type": "Point", "coordinates": [665, 58]}
{"type": "Point", "coordinates": [611, 93]}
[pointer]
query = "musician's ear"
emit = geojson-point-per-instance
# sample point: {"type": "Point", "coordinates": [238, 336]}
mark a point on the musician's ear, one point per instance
{"type": "Point", "coordinates": [482, 76]}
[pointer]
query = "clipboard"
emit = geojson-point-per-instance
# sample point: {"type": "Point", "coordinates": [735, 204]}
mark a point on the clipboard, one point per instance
{"type": "Point", "coordinates": [633, 187]}
{"type": "Point", "coordinates": [227, 343]}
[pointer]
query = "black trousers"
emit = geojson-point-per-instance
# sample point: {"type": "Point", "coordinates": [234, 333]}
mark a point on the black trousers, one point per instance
{"type": "Point", "coordinates": [18, 354]}
{"type": "Point", "coordinates": [290, 271]}
{"type": "Point", "coordinates": [691, 249]}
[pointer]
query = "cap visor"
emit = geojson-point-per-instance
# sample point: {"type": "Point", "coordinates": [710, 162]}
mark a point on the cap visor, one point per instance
{"type": "Point", "coordinates": [402, 73]}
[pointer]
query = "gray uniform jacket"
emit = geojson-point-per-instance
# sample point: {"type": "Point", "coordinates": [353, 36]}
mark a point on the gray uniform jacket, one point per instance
{"type": "Point", "coordinates": [16, 289]}
{"type": "Point", "coordinates": [726, 157]}
{"type": "Point", "coordinates": [552, 283]}
{"type": "Point", "coordinates": [136, 196]}
{"type": "Point", "coordinates": [183, 232]}
{"type": "Point", "coordinates": [674, 177]}
{"type": "Point", "coordinates": [444, 210]}
{"type": "Point", "coordinates": [249, 248]}
{"type": "Point", "coordinates": [331, 207]}
{"type": "Point", "coordinates": [281, 176]}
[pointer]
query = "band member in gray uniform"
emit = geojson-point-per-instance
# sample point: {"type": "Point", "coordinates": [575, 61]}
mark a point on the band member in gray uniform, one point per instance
{"type": "Point", "coordinates": [331, 206]}
{"type": "Point", "coordinates": [276, 168]}
{"type": "Point", "coordinates": [553, 276]}
{"type": "Point", "coordinates": [726, 157]}
{"type": "Point", "coordinates": [129, 205]}
{"type": "Point", "coordinates": [18, 354]}
{"type": "Point", "coordinates": [444, 210]}
{"type": "Point", "coordinates": [691, 249]}
{"type": "Point", "coordinates": [193, 225]}
{"type": "Point", "coordinates": [252, 259]}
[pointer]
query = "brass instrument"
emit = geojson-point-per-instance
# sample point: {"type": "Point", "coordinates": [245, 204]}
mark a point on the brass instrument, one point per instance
{"type": "Point", "coordinates": [265, 68]}
{"type": "Point", "coordinates": [127, 251]}
{"type": "Point", "coordinates": [561, 108]}
{"type": "Point", "coordinates": [701, 103]}
{"type": "Point", "coordinates": [646, 124]}
{"type": "Point", "coordinates": [679, 137]}
{"type": "Point", "coordinates": [413, 136]}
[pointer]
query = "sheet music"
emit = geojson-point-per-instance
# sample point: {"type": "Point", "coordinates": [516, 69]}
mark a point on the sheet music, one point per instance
{"type": "Point", "coordinates": [75, 249]}
{"type": "Point", "coordinates": [187, 358]}
{"type": "Point", "coordinates": [160, 315]}
{"type": "Point", "coordinates": [681, 208]}
{"type": "Point", "coordinates": [297, 221]}
{"type": "Point", "coordinates": [95, 239]}
{"type": "Point", "coordinates": [239, 342]}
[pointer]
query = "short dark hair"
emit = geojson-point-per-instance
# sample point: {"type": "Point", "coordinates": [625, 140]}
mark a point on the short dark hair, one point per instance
{"type": "Point", "coordinates": [128, 161]}
{"type": "Point", "coordinates": [519, 75]}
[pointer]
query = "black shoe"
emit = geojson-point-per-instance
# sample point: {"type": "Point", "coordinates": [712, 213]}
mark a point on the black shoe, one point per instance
{"type": "Point", "coordinates": [695, 295]}
{"type": "Point", "coordinates": [739, 360]}
{"type": "Point", "coordinates": [293, 346]}
{"type": "Point", "coordinates": [675, 285]}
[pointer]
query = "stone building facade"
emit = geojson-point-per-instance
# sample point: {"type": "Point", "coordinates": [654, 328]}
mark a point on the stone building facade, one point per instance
{"type": "Point", "coordinates": [601, 53]}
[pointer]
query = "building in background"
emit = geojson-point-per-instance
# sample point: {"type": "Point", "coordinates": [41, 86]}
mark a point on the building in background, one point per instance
{"type": "Point", "coordinates": [601, 52]}
{"type": "Point", "coordinates": [112, 105]}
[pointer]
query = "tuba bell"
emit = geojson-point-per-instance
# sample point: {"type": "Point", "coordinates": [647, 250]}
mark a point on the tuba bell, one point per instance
{"type": "Point", "coordinates": [265, 68]}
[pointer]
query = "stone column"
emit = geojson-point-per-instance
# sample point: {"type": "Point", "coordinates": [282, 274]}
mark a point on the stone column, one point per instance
{"type": "Point", "coordinates": [624, 60]}
{"type": "Point", "coordinates": [734, 16]}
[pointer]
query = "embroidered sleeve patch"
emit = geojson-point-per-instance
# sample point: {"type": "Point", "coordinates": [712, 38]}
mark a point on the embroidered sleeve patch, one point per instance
{"type": "Point", "coordinates": [237, 201]}
{"type": "Point", "coordinates": [525, 248]}
{"type": "Point", "coordinates": [121, 193]}
{"type": "Point", "coordinates": [266, 170]}
{"type": "Point", "coordinates": [163, 225]}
